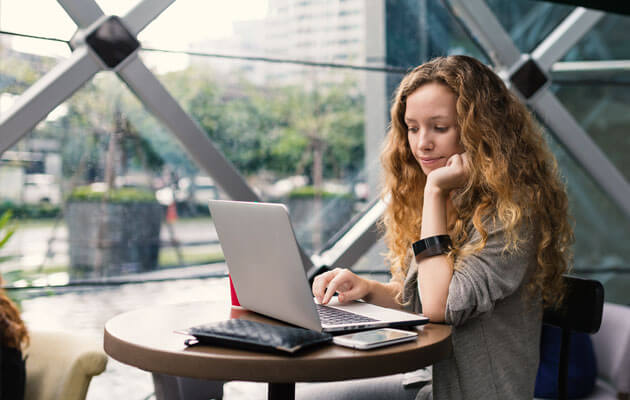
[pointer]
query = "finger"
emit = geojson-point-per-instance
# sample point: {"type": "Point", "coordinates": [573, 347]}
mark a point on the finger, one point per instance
{"type": "Point", "coordinates": [337, 283]}
{"type": "Point", "coordinates": [453, 160]}
{"type": "Point", "coordinates": [319, 286]}
{"type": "Point", "coordinates": [320, 283]}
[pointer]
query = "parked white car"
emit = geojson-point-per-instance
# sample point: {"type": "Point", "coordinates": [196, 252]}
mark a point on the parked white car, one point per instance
{"type": "Point", "coordinates": [41, 188]}
{"type": "Point", "coordinates": [199, 190]}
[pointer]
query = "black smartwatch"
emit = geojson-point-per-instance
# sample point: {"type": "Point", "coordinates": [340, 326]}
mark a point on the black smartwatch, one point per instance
{"type": "Point", "coordinates": [431, 246]}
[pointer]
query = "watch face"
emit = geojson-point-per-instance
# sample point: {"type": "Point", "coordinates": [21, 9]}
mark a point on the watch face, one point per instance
{"type": "Point", "coordinates": [112, 42]}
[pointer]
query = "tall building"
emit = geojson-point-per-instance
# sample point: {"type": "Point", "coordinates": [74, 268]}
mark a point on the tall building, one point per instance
{"type": "Point", "coordinates": [328, 31]}
{"type": "Point", "coordinates": [323, 31]}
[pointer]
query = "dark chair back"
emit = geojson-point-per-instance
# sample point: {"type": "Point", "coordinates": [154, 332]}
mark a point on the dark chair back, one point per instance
{"type": "Point", "coordinates": [581, 311]}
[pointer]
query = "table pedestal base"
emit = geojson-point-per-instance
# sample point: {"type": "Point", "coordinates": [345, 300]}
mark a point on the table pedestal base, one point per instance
{"type": "Point", "coordinates": [281, 391]}
{"type": "Point", "coordinates": [168, 387]}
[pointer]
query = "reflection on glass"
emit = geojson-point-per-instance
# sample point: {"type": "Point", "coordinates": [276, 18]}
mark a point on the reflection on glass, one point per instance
{"type": "Point", "coordinates": [529, 22]}
{"type": "Point", "coordinates": [601, 110]}
{"type": "Point", "coordinates": [20, 69]}
{"type": "Point", "coordinates": [296, 132]}
{"type": "Point", "coordinates": [298, 144]}
{"type": "Point", "coordinates": [601, 229]}
{"type": "Point", "coordinates": [603, 41]}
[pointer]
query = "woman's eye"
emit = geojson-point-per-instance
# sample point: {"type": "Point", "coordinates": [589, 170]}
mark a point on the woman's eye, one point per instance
{"type": "Point", "coordinates": [413, 130]}
{"type": "Point", "coordinates": [441, 128]}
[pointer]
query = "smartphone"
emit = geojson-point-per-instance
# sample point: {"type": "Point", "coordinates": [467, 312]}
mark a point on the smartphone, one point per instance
{"type": "Point", "coordinates": [374, 338]}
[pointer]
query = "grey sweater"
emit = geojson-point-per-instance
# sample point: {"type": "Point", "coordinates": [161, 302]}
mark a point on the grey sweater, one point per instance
{"type": "Point", "coordinates": [496, 326]}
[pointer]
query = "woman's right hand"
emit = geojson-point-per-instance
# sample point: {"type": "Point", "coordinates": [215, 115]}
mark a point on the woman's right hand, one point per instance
{"type": "Point", "coordinates": [340, 280]}
{"type": "Point", "coordinates": [451, 176]}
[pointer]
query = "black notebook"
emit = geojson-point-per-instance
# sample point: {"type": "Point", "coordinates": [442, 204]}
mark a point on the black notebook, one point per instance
{"type": "Point", "coordinates": [252, 335]}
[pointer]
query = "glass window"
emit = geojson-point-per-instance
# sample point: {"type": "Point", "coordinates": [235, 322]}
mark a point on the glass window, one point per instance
{"type": "Point", "coordinates": [105, 198]}
{"type": "Point", "coordinates": [600, 110]}
{"type": "Point", "coordinates": [529, 22]}
{"type": "Point", "coordinates": [603, 42]}
{"type": "Point", "coordinates": [601, 230]}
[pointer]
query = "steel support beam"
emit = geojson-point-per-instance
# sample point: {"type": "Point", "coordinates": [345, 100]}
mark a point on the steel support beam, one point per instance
{"type": "Point", "coordinates": [143, 13]}
{"type": "Point", "coordinates": [63, 80]}
{"type": "Point", "coordinates": [82, 12]}
{"type": "Point", "coordinates": [553, 113]}
{"type": "Point", "coordinates": [356, 241]}
{"type": "Point", "coordinates": [166, 109]}
{"type": "Point", "coordinates": [45, 95]}
{"type": "Point", "coordinates": [565, 36]}
{"type": "Point", "coordinates": [484, 26]}
{"type": "Point", "coordinates": [583, 149]}
{"type": "Point", "coordinates": [585, 70]}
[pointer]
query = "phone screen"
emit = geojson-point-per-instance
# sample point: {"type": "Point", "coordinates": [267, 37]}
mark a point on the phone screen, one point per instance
{"type": "Point", "coordinates": [378, 335]}
{"type": "Point", "coordinates": [374, 338]}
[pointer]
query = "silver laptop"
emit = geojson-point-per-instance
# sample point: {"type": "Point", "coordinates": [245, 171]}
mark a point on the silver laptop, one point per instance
{"type": "Point", "coordinates": [264, 261]}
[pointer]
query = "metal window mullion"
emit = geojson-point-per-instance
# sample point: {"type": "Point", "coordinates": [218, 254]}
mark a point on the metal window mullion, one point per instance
{"type": "Point", "coordinates": [143, 13]}
{"type": "Point", "coordinates": [555, 115]}
{"type": "Point", "coordinates": [577, 70]}
{"type": "Point", "coordinates": [487, 29]}
{"type": "Point", "coordinates": [194, 139]}
{"type": "Point", "coordinates": [82, 12]}
{"type": "Point", "coordinates": [356, 241]}
{"type": "Point", "coordinates": [45, 95]}
{"type": "Point", "coordinates": [583, 149]}
{"type": "Point", "coordinates": [565, 36]}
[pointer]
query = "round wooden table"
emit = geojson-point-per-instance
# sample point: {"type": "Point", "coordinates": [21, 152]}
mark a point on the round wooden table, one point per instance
{"type": "Point", "coordinates": [146, 339]}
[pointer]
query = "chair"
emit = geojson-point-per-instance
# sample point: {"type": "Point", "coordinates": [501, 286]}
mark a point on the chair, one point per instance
{"type": "Point", "coordinates": [580, 311]}
{"type": "Point", "coordinates": [612, 350]}
{"type": "Point", "coordinates": [60, 365]}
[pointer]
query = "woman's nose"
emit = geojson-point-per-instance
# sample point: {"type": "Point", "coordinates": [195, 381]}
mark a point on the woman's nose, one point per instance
{"type": "Point", "coordinates": [424, 141]}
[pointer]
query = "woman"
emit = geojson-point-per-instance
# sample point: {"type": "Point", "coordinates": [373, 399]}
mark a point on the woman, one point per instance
{"type": "Point", "coordinates": [467, 171]}
{"type": "Point", "coordinates": [13, 336]}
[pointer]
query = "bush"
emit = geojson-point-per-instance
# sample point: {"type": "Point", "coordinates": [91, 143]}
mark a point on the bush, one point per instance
{"type": "Point", "coordinates": [30, 211]}
{"type": "Point", "coordinates": [121, 195]}
{"type": "Point", "coordinates": [310, 192]}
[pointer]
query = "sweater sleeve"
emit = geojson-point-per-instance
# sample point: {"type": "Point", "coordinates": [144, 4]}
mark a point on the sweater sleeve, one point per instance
{"type": "Point", "coordinates": [481, 279]}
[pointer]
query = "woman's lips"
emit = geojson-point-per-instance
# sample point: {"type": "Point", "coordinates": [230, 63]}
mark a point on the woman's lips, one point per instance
{"type": "Point", "coordinates": [430, 160]}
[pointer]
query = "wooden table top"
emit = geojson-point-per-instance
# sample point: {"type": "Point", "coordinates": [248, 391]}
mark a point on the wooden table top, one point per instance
{"type": "Point", "coordinates": [145, 338]}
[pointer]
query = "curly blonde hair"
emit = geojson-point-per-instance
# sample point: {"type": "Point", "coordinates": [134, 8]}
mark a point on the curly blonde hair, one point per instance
{"type": "Point", "coordinates": [13, 332]}
{"type": "Point", "coordinates": [513, 175]}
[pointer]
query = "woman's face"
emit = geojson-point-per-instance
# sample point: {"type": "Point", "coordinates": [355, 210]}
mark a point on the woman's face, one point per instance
{"type": "Point", "coordinates": [432, 131]}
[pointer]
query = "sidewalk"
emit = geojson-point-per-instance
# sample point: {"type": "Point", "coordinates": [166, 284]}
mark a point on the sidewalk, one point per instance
{"type": "Point", "coordinates": [42, 245]}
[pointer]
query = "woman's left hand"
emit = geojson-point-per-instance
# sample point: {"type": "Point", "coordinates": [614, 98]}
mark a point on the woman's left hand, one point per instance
{"type": "Point", "coordinates": [451, 176]}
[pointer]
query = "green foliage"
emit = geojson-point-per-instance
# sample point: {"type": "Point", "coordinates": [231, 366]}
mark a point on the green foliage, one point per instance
{"type": "Point", "coordinates": [122, 195]}
{"type": "Point", "coordinates": [310, 192]}
{"type": "Point", "coordinates": [19, 73]}
{"type": "Point", "coordinates": [7, 228]}
{"type": "Point", "coordinates": [30, 211]}
{"type": "Point", "coordinates": [257, 128]}
{"type": "Point", "coordinates": [275, 130]}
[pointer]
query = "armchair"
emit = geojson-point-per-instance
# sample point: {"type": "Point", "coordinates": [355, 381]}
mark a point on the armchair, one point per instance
{"type": "Point", "coordinates": [60, 365]}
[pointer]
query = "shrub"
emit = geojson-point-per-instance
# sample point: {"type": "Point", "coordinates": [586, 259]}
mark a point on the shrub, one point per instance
{"type": "Point", "coordinates": [30, 211]}
{"type": "Point", "coordinates": [121, 195]}
{"type": "Point", "coordinates": [310, 192]}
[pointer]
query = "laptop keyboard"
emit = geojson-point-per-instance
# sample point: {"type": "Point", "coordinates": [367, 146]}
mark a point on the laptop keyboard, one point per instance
{"type": "Point", "coordinates": [335, 316]}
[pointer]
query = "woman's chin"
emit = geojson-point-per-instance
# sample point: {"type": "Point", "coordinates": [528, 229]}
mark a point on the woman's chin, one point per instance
{"type": "Point", "coordinates": [427, 170]}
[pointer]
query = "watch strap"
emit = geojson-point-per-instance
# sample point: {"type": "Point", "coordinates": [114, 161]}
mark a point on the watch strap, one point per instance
{"type": "Point", "coordinates": [431, 246]}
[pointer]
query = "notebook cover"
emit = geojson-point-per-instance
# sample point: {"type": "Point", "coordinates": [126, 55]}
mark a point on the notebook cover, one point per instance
{"type": "Point", "coordinates": [259, 336]}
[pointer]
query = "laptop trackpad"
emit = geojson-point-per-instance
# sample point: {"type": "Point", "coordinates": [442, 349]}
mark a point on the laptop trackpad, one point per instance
{"type": "Point", "coordinates": [371, 310]}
